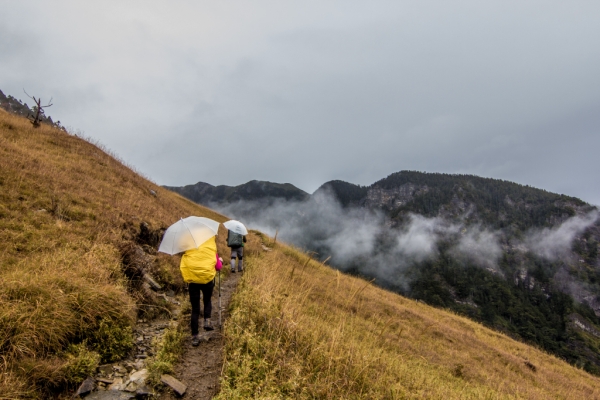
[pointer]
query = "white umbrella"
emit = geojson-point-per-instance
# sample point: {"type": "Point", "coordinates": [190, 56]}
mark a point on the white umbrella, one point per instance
{"type": "Point", "coordinates": [187, 233]}
{"type": "Point", "coordinates": [236, 226]}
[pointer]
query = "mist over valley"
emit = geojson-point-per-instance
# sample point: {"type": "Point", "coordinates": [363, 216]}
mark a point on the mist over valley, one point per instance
{"type": "Point", "coordinates": [519, 259]}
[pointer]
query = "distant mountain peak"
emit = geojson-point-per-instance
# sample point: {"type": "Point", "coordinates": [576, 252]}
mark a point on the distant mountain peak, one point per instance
{"type": "Point", "coordinates": [254, 190]}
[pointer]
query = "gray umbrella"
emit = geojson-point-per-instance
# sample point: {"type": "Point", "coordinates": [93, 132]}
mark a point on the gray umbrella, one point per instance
{"type": "Point", "coordinates": [236, 226]}
{"type": "Point", "coordinates": [187, 233]}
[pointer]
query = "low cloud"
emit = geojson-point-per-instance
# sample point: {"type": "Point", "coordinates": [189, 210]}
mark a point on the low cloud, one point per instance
{"type": "Point", "coordinates": [555, 243]}
{"type": "Point", "coordinates": [419, 238]}
{"type": "Point", "coordinates": [361, 239]}
{"type": "Point", "coordinates": [480, 246]}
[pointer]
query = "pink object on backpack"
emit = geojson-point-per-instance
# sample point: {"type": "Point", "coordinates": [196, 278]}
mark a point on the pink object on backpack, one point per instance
{"type": "Point", "coordinates": [219, 264]}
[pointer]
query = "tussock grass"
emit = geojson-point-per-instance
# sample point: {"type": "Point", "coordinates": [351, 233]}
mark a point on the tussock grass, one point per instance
{"type": "Point", "coordinates": [67, 209]}
{"type": "Point", "coordinates": [299, 329]}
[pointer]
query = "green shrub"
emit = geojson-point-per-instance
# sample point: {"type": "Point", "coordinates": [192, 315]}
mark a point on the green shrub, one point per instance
{"type": "Point", "coordinates": [80, 364]}
{"type": "Point", "coordinates": [113, 339]}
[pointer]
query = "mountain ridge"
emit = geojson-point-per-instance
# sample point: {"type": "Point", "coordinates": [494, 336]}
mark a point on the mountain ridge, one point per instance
{"type": "Point", "coordinates": [205, 193]}
{"type": "Point", "coordinates": [490, 249]}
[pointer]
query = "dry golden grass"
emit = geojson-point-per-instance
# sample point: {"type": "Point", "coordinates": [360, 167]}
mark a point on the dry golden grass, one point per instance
{"type": "Point", "coordinates": [66, 207]}
{"type": "Point", "coordinates": [299, 329]}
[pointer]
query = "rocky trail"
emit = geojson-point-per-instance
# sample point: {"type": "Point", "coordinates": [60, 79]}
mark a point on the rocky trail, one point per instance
{"type": "Point", "coordinates": [196, 375]}
{"type": "Point", "coordinates": [200, 367]}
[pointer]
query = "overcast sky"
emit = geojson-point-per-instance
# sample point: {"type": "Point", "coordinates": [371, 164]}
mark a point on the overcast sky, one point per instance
{"type": "Point", "coordinates": [309, 91]}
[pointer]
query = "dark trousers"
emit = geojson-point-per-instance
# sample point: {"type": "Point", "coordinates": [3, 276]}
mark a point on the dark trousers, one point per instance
{"type": "Point", "coordinates": [195, 289]}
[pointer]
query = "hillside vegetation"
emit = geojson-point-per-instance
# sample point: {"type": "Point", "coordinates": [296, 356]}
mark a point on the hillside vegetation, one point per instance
{"type": "Point", "coordinates": [299, 329]}
{"type": "Point", "coordinates": [526, 295]}
{"type": "Point", "coordinates": [71, 220]}
{"type": "Point", "coordinates": [76, 227]}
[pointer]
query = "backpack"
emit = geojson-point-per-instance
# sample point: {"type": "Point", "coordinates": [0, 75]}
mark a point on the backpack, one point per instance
{"type": "Point", "coordinates": [235, 239]}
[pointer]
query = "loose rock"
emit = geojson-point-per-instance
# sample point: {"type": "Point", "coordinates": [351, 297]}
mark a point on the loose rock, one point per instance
{"type": "Point", "coordinates": [139, 377]}
{"type": "Point", "coordinates": [131, 387]}
{"type": "Point", "coordinates": [120, 369]}
{"type": "Point", "coordinates": [117, 384]}
{"type": "Point", "coordinates": [143, 392]}
{"type": "Point", "coordinates": [174, 384]}
{"type": "Point", "coordinates": [105, 369]}
{"type": "Point", "coordinates": [86, 387]}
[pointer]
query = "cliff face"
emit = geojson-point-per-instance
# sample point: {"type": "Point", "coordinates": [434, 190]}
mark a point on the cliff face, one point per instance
{"type": "Point", "coordinates": [390, 199]}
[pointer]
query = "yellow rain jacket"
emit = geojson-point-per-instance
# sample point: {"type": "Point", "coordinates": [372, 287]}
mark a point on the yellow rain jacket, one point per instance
{"type": "Point", "coordinates": [198, 265]}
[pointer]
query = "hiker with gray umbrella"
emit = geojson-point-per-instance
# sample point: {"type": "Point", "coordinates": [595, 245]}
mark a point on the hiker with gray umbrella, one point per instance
{"type": "Point", "coordinates": [236, 237]}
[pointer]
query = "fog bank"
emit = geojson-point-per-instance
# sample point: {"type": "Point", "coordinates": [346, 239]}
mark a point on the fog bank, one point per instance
{"type": "Point", "coordinates": [363, 241]}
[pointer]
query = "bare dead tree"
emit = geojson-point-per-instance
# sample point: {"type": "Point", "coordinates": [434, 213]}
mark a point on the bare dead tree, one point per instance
{"type": "Point", "coordinates": [38, 109]}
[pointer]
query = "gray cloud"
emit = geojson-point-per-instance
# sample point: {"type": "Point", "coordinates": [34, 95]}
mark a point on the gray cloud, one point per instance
{"type": "Point", "coordinates": [362, 239]}
{"type": "Point", "coordinates": [418, 239]}
{"type": "Point", "coordinates": [312, 91]}
{"type": "Point", "coordinates": [480, 245]}
{"type": "Point", "coordinates": [555, 243]}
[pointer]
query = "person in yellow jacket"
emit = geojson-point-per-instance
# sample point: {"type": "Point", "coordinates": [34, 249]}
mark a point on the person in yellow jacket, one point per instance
{"type": "Point", "coordinates": [198, 268]}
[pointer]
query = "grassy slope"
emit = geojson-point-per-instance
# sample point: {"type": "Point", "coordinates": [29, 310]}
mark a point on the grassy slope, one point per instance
{"type": "Point", "coordinates": [300, 329]}
{"type": "Point", "coordinates": [66, 207]}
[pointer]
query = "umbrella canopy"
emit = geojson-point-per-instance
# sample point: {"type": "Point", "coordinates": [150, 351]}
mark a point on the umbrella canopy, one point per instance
{"type": "Point", "coordinates": [236, 226]}
{"type": "Point", "coordinates": [187, 233]}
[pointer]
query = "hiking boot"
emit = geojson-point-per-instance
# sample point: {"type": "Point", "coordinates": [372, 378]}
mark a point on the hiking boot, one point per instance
{"type": "Point", "coordinates": [241, 270]}
{"type": "Point", "coordinates": [195, 340]}
{"type": "Point", "coordinates": [233, 271]}
{"type": "Point", "coordinates": [208, 325]}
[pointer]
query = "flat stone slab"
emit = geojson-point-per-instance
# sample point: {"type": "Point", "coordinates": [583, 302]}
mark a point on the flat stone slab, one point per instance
{"type": "Point", "coordinates": [174, 384]}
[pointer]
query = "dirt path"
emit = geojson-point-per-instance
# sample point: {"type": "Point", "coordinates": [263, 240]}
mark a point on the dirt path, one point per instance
{"type": "Point", "coordinates": [200, 367]}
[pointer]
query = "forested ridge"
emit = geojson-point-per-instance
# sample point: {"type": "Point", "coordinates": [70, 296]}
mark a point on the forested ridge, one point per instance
{"type": "Point", "coordinates": [549, 297]}
{"type": "Point", "coordinates": [525, 295]}
{"type": "Point", "coordinates": [498, 203]}
{"type": "Point", "coordinates": [204, 193]}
